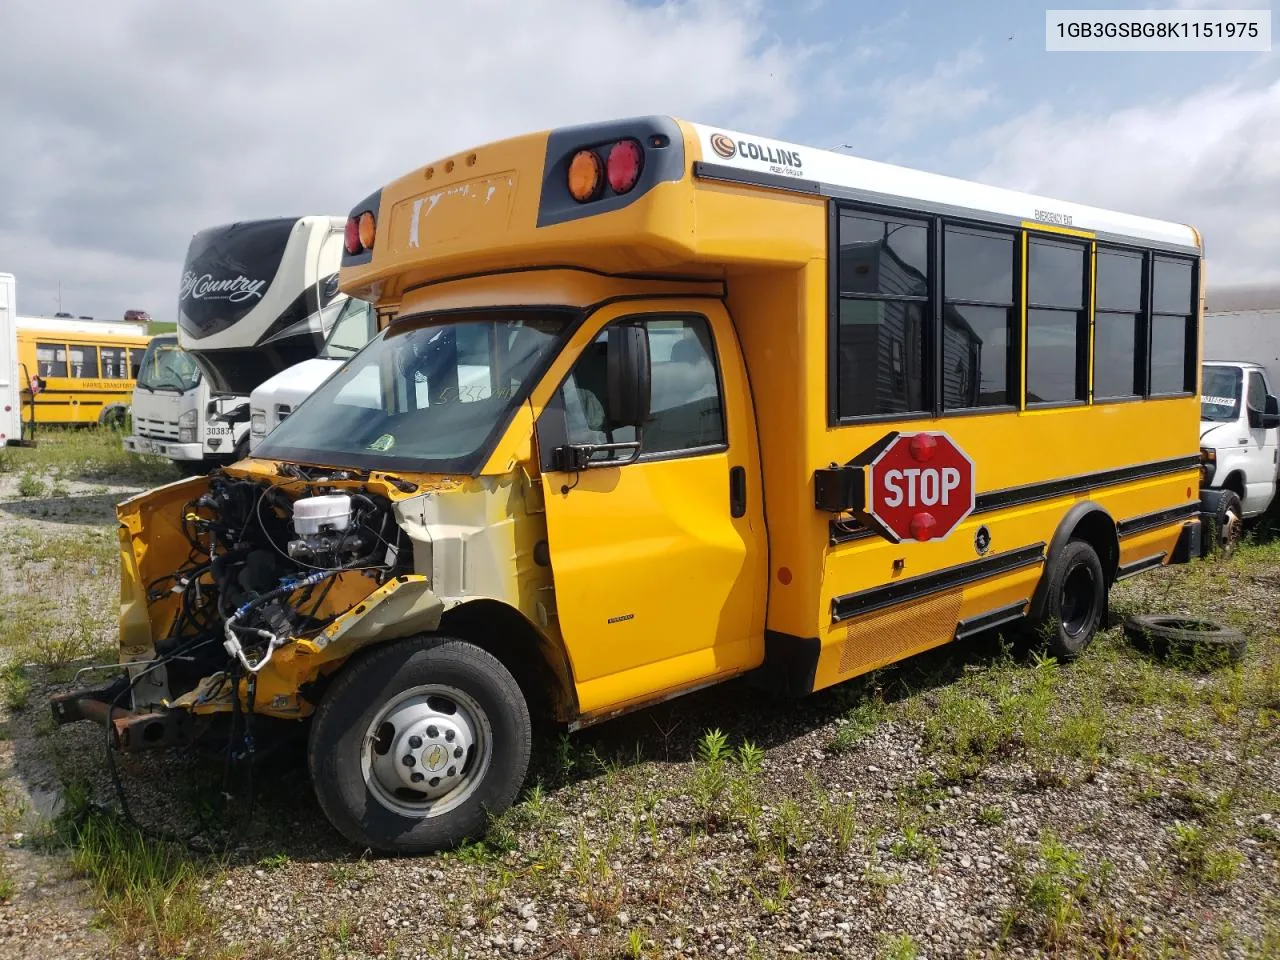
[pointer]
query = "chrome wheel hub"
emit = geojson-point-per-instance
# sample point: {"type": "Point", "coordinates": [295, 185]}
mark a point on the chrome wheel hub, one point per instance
{"type": "Point", "coordinates": [426, 750]}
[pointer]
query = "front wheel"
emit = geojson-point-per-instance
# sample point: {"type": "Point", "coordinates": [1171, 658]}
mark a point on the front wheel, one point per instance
{"type": "Point", "coordinates": [417, 743]}
{"type": "Point", "coordinates": [1227, 526]}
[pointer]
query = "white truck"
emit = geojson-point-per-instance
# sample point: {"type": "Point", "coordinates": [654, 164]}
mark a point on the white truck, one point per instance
{"type": "Point", "coordinates": [254, 299]}
{"type": "Point", "coordinates": [10, 385]}
{"type": "Point", "coordinates": [272, 401]}
{"type": "Point", "coordinates": [175, 416]}
{"type": "Point", "coordinates": [1239, 411]}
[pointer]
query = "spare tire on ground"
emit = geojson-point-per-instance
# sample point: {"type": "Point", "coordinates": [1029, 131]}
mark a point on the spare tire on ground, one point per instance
{"type": "Point", "coordinates": [1186, 640]}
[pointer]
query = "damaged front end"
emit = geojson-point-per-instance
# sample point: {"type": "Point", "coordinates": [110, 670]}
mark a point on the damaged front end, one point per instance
{"type": "Point", "coordinates": [243, 591]}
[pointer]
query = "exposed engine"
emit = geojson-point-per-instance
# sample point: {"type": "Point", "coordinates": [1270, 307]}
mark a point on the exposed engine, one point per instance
{"type": "Point", "coordinates": [265, 557]}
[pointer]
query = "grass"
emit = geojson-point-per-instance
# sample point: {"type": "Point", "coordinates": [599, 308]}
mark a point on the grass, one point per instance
{"type": "Point", "coordinates": [148, 891]}
{"type": "Point", "coordinates": [87, 455]}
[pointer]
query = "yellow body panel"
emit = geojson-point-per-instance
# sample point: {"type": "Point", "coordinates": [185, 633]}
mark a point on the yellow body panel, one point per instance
{"type": "Point", "coordinates": [67, 397]}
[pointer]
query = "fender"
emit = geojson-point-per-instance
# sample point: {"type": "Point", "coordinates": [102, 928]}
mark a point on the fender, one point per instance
{"type": "Point", "coordinates": [1066, 527]}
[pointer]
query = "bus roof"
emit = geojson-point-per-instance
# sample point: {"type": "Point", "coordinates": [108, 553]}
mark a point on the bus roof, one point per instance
{"type": "Point", "coordinates": [81, 328]}
{"type": "Point", "coordinates": [742, 157]}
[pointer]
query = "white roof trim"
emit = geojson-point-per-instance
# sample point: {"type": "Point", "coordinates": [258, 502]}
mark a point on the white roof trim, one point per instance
{"type": "Point", "coordinates": [777, 158]}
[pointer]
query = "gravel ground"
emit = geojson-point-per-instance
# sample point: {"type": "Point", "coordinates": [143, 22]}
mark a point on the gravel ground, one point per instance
{"type": "Point", "coordinates": [975, 802]}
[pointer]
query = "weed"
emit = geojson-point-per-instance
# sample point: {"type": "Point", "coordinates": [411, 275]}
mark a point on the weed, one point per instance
{"type": "Point", "coordinates": [147, 890]}
{"type": "Point", "coordinates": [29, 485]}
{"type": "Point", "coordinates": [773, 903]}
{"type": "Point", "coordinates": [15, 688]}
{"type": "Point", "coordinates": [274, 862]}
{"type": "Point", "coordinates": [635, 944]}
{"type": "Point", "coordinates": [1203, 857]}
{"type": "Point", "coordinates": [915, 845]}
{"type": "Point", "coordinates": [1052, 896]}
{"type": "Point", "coordinates": [857, 724]}
{"type": "Point", "coordinates": [900, 947]}
{"type": "Point", "coordinates": [991, 816]}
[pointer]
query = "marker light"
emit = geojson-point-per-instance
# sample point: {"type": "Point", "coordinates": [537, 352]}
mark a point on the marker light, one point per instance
{"type": "Point", "coordinates": [352, 238]}
{"type": "Point", "coordinates": [367, 229]}
{"type": "Point", "coordinates": [623, 165]}
{"type": "Point", "coordinates": [585, 176]}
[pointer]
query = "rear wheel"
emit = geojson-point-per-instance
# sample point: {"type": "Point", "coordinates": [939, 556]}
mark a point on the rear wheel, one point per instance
{"type": "Point", "coordinates": [1075, 601]}
{"type": "Point", "coordinates": [417, 743]}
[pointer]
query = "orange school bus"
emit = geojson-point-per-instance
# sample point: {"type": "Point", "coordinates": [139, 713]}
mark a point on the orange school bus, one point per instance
{"type": "Point", "coordinates": [664, 404]}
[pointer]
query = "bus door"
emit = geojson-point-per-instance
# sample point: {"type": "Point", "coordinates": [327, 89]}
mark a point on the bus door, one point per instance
{"type": "Point", "coordinates": [659, 562]}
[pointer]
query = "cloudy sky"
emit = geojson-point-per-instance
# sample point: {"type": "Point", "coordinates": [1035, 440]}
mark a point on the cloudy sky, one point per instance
{"type": "Point", "coordinates": [129, 125]}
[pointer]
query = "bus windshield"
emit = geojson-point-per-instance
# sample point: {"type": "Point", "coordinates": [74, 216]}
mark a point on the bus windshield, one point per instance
{"type": "Point", "coordinates": [355, 327]}
{"type": "Point", "coordinates": [1220, 393]}
{"type": "Point", "coordinates": [429, 394]}
{"type": "Point", "coordinates": [167, 367]}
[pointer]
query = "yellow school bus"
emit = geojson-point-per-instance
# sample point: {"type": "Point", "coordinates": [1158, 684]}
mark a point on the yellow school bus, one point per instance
{"type": "Point", "coordinates": [83, 371]}
{"type": "Point", "coordinates": [664, 404]}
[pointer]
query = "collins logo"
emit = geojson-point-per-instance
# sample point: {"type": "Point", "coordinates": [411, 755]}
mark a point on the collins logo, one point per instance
{"type": "Point", "coordinates": [723, 145]}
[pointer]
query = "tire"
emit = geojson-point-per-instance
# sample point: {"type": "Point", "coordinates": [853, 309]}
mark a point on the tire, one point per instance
{"type": "Point", "coordinates": [113, 418]}
{"type": "Point", "coordinates": [241, 449]}
{"type": "Point", "coordinates": [1196, 642]}
{"type": "Point", "coordinates": [1226, 526]}
{"type": "Point", "coordinates": [191, 468]}
{"type": "Point", "coordinates": [390, 704]}
{"type": "Point", "coordinates": [1075, 601]}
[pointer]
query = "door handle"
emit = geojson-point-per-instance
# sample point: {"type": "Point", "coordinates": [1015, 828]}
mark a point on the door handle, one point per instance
{"type": "Point", "coordinates": [738, 491]}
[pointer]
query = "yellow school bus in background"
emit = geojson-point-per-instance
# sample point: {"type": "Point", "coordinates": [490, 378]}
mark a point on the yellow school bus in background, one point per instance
{"type": "Point", "coordinates": [632, 432]}
{"type": "Point", "coordinates": [85, 369]}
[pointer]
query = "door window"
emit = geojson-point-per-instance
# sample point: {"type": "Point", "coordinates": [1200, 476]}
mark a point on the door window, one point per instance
{"type": "Point", "coordinates": [686, 410]}
{"type": "Point", "coordinates": [1257, 394]}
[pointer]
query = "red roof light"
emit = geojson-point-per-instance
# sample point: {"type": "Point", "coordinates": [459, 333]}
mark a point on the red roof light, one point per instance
{"type": "Point", "coordinates": [624, 165]}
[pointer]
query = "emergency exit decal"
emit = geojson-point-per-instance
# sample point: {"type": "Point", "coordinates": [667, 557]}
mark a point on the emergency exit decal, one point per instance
{"type": "Point", "coordinates": [914, 486]}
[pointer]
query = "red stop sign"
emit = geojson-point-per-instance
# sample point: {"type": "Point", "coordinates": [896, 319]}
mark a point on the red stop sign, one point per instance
{"type": "Point", "coordinates": [919, 487]}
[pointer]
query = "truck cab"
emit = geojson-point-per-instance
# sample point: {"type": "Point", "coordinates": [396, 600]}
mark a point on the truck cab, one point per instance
{"type": "Point", "coordinates": [174, 415]}
{"type": "Point", "coordinates": [1239, 431]}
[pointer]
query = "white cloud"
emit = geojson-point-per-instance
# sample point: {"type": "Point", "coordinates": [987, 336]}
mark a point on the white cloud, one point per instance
{"type": "Point", "coordinates": [898, 107]}
{"type": "Point", "coordinates": [130, 125]}
{"type": "Point", "coordinates": [1211, 159]}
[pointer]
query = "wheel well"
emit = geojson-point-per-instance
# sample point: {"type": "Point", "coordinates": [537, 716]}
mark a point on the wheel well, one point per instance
{"type": "Point", "coordinates": [1235, 483]}
{"type": "Point", "coordinates": [1099, 531]}
{"type": "Point", "coordinates": [538, 665]}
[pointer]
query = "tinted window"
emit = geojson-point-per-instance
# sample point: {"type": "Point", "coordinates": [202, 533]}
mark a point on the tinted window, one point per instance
{"type": "Point", "coordinates": [883, 256]}
{"type": "Point", "coordinates": [1171, 286]}
{"type": "Point", "coordinates": [84, 362]}
{"type": "Point", "coordinates": [51, 359]}
{"type": "Point", "coordinates": [685, 405]}
{"type": "Point", "coordinates": [881, 338]}
{"type": "Point", "coordinates": [1115, 347]}
{"type": "Point", "coordinates": [1055, 274]}
{"type": "Point", "coordinates": [978, 265]}
{"type": "Point", "coordinates": [881, 354]}
{"type": "Point", "coordinates": [1052, 356]}
{"type": "Point", "coordinates": [975, 356]}
{"type": "Point", "coordinates": [1168, 354]}
{"type": "Point", "coordinates": [1119, 281]}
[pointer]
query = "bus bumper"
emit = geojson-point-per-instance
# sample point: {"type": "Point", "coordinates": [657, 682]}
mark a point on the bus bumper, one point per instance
{"type": "Point", "coordinates": [1191, 541]}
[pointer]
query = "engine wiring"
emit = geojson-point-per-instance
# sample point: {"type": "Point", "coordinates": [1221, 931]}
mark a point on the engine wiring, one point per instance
{"type": "Point", "coordinates": [241, 595]}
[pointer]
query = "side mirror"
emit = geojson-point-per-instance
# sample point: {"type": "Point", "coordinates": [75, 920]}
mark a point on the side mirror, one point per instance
{"type": "Point", "coordinates": [627, 361]}
{"type": "Point", "coordinates": [1271, 413]}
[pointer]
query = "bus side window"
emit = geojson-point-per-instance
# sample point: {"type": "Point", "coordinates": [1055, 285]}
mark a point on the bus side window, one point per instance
{"type": "Point", "coordinates": [84, 362]}
{"type": "Point", "coordinates": [113, 363]}
{"type": "Point", "coordinates": [135, 361]}
{"type": "Point", "coordinates": [51, 358]}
